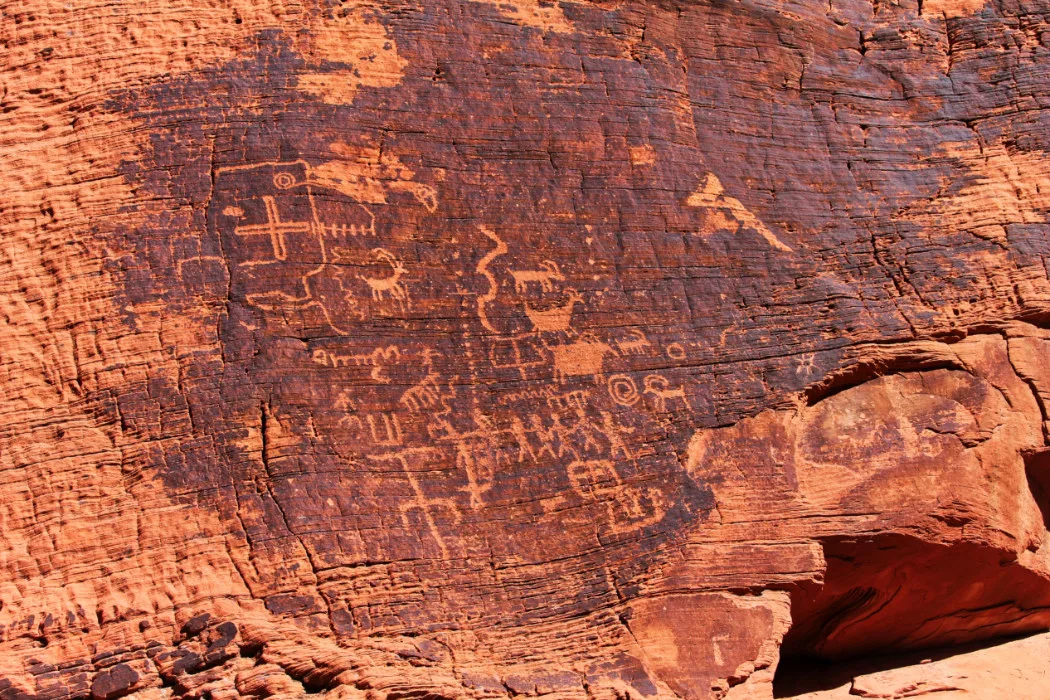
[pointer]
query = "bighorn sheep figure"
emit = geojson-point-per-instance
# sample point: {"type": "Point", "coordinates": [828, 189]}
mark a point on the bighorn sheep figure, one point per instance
{"type": "Point", "coordinates": [549, 272]}
{"type": "Point", "coordinates": [558, 318]}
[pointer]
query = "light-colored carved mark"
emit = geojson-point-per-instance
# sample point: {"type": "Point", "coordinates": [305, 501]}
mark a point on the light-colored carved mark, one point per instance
{"type": "Point", "coordinates": [558, 318]}
{"type": "Point", "coordinates": [806, 364]}
{"type": "Point", "coordinates": [424, 194]}
{"type": "Point", "coordinates": [423, 395]}
{"type": "Point", "coordinates": [659, 388]}
{"type": "Point", "coordinates": [717, 649]}
{"type": "Point", "coordinates": [478, 463]}
{"type": "Point", "coordinates": [381, 357]}
{"type": "Point", "coordinates": [378, 359]}
{"type": "Point", "coordinates": [284, 180]}
{"type": "Point", "coordinates": [521, 436]}
{"type": "Point", "coordinates": [592, 475]}
{"type": "Point", "coordinates": [385, 429]}
{"type": "Point", "coordinates": [675, 351]}
{"type": "Point", "coordinates": [637, 514]}
{"type": "Point", "coordinates": [546, 276]}
{"type": "Point", "coordinates": [276, 301]}
{"type": "Point", "coordinates": [585, 357]}
{"type": "Point", "coordinates": [478, 451]}
{"type": "Point", "coordinates": [510, 353]}
{"type": "Point", "coordinates": [575, 401]}
{"type": "Point", "coordinates": [623, 390]}
{"type": "Point", "coordinates": [367, 173]}
{"type": "Point", "coordinates": [612, 432]}
{"type": "Point", "coordinates": [555, 442]}
{"type": "Point", "coordinates": [635, 344]}
{"type": "Point", "coordinates": [483, 269]}
{"type": "Point", "coordinates": [345, 402]}
{"type": "Point", "coordinates": [420, 501]}
{"type": "Point", "coordinates": [341, 231]}
{"type": "Point", "coordinates": [428, 392]}
{"type": "Point", "coordinates": [392, 285]}
{"type": "Point", "coordinates": [274, 228]}
{"type": "Point", "coordinates": [711, 195]}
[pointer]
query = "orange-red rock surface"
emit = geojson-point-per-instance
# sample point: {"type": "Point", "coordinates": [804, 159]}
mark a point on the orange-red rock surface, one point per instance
{"type": "Point", "coordinates": [1014, 669]}
{"type": "Point", "coordinates": [456, 350]}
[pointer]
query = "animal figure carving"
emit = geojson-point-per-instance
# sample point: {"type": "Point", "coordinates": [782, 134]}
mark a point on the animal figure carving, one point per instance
{"type": "Point", "coordinates": [555, 319]}
{"type": "Point", "coordinates": [635, 344]}
{"type": "Point", "coordinates": [659, 388]}
{"type": "Point", "coordinates": [585, 357]}
{"type": "Point", "coordinates": [391, 285]}
{"type": "Point", "coordinates": [483, 269]}
{"type": "Point", "coordinates": [548, 273]}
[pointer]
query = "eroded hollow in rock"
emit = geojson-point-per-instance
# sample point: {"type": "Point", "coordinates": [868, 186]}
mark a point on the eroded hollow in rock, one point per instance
{"type": "Point", "coordinates": [894, 593]}
{"type": "Point", "coordinates": [1037, 469]}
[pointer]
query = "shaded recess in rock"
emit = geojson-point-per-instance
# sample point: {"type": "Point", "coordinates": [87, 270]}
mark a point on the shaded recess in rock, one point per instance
{"type": "Point", "coordinates": [798, 676]}
{"type": "Point", "coordinates": [892, 593]}
{"type": "Point", "coordinates": [1037, 469]}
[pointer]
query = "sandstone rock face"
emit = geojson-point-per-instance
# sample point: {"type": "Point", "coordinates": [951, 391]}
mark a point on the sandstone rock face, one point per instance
{"type": "Point", "coordinates": [1015, 669]}
{"type": "Point", "coordinates": [472, 349]}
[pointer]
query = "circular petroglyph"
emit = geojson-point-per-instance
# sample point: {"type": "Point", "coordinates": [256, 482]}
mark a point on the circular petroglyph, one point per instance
{"type": "Point", "coordinates": [623, 390]}
{"type": "Point", "coordinates": [284, 180]}
{"type": "Point", "coordinates": [675, 351]}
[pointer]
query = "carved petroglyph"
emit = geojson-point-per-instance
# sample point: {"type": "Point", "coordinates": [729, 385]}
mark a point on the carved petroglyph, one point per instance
{"type": "Point", "coordinates": [712, 196]}
{"type": "Point", "coordinates": [717, 649]}
{"type": "Point", "coordinates": [568, 435]}
{"type": "Point", "coordinates": [623, 390]}
{"type": "Point", "coordinates": [675, 351]}
{"type": "Point", "coordinates": [283, 238]}
{"type": "Point", "coordinates": [554, 319]}
{"type": "Point", "coordinates": [297, 234]}
{"type": "Point", "coordinates": [345, 402]}
{"type": "Point", "coordinates": [368, 174]}
{"type": "Point", "coordinates": [483, 270]}
{"type": "Point", "coordinates": [276, 230]}
{"type": "Point", "coordinates": [389, 286]}
{"type": "Point", "coordinates": [806, 364]}
{"type": "Point", "coordinates": [378, 360]}
{"type": "Point", "coordinates": [545, 277]}
{"type": "Point", "coordinates": [427, 506]}
{"type": "Point", "coordinates": [636, 343]}
{"type": "Point", "coordinates": [517, 352]}
{"type": "Point", "coordinates": [660, 389]}
{"type": "Point", "coordinates": [479, 458]}
{"type": "Point", "coordinates": [570, 401]}
{"type": "Point", "coordinates": [589, 475]}
{"type": "Point", "coordinates": [584, 357]}
{"type": "Point", "coordinates": [385, 429]}
{"type": "Point", "coordinates": [478, 449]}
{"type": "Point", "coordinates": [598, 479]}
{"type": "Point", "coordinates": [429, 392]}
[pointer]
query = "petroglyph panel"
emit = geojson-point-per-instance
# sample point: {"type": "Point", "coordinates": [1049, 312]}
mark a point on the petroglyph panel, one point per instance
{"type": "Point", "coordinates": [381, 333]}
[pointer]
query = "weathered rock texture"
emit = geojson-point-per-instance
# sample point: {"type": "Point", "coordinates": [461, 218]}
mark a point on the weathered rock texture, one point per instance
{"type": "Point", "coordinates": [463, 349]}
{"type": "Point", "coordinates": [1014, 669]}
